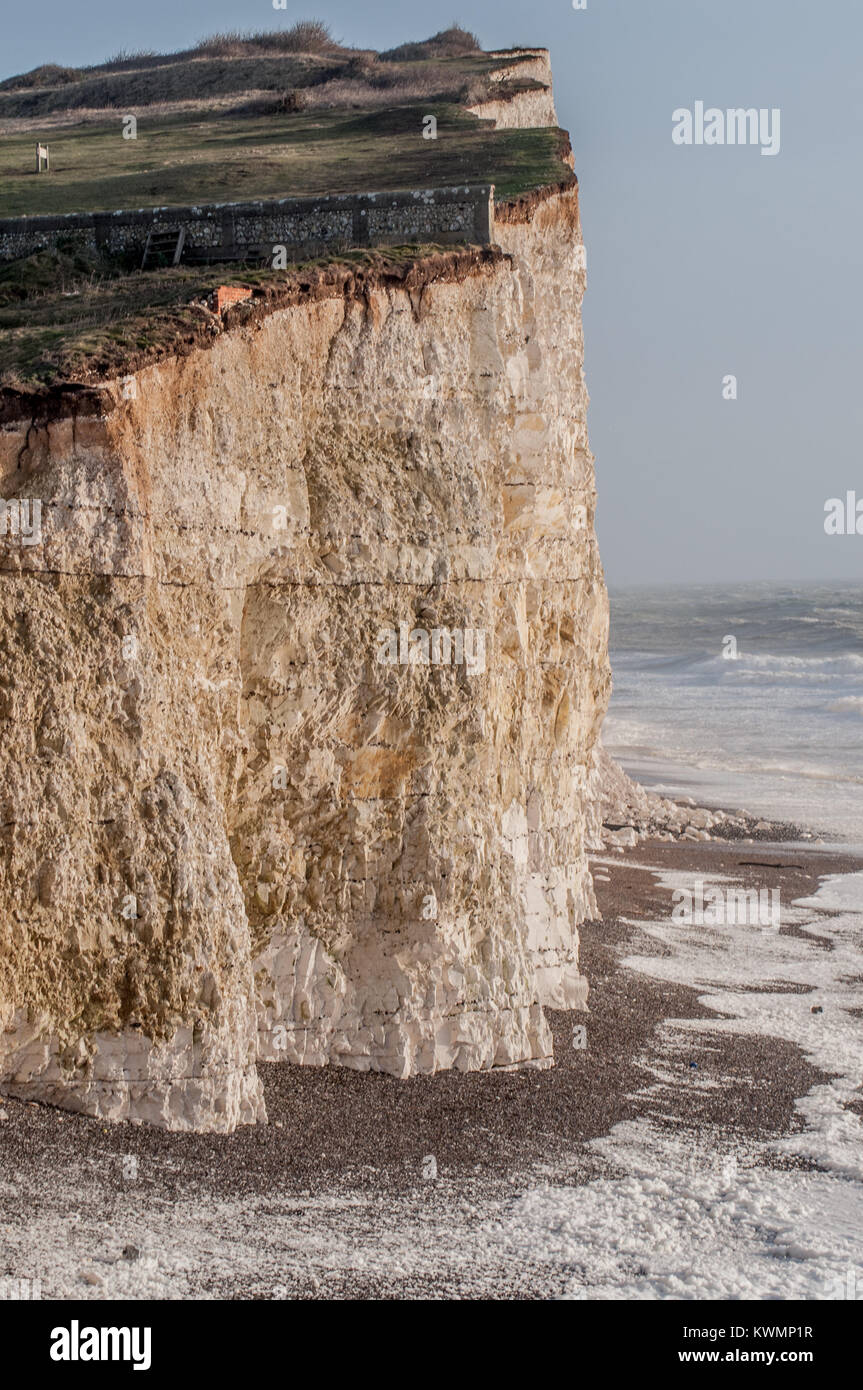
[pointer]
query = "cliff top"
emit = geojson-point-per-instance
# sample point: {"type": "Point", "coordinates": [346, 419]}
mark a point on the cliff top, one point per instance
{"type": "Point", "coordinates": [285, 114]}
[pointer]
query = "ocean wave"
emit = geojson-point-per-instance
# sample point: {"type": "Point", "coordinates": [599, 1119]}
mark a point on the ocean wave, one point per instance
{"type": "Point", "coordinates": [848, 704]}
{"type": "Point", "coordinates": [740, 762]}
{"type": "Point", "coordinates": [746, 666]}
{"type": "Point", "coordinates": [818, 620]}
{"type": "Point", "coordinates": [780, 721]}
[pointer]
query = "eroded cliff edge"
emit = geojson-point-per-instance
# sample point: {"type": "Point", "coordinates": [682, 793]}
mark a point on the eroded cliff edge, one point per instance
{"type": "Point", "coordinates": [230, 831]}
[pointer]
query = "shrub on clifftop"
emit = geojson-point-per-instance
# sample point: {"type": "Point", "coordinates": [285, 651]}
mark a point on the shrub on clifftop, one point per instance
{"type": "Point", "coordinates": [454, 42]}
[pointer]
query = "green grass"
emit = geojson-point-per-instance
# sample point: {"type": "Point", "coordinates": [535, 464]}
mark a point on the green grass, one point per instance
{"type": "Point", "coordinates": [231, 158]}
{"type": "Point", "coordinates": [68, 317]}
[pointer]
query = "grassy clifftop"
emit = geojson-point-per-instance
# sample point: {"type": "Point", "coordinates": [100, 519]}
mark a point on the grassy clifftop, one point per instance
{"type": "Point", "coordinates": [233, 158]}
{"type": "Point", "coordinates": [286, 114]}
{"type": "Point", "coordinates": [234, 120]}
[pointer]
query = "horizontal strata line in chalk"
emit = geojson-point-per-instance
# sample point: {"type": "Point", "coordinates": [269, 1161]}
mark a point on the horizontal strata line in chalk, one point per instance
{"type": "Point", "coordinates": [159, 522]}
{"type": "Point", "coordinates": [421, 585]}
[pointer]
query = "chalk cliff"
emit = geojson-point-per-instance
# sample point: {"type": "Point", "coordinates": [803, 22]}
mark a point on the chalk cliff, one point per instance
{"type": "Point", "coordinates": [531, 106]}
{"type": "Point", "coordinates": [237, 825]}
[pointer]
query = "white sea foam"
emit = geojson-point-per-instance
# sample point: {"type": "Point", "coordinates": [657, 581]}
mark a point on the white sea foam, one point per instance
{"type": "Point", "coordinates": [775, 730]}
{"type": "Point", "coordinates": [705, 1219]}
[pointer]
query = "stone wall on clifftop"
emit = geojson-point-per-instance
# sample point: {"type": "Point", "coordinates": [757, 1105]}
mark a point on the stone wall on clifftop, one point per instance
{"type": "Point", "coordinates": [236, 826]}
{"type": "Point", "coordinates": [301, 226]}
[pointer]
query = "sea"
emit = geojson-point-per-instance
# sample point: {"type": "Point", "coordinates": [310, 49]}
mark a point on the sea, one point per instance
{"type": "Point", "coordinates": [747, 697]}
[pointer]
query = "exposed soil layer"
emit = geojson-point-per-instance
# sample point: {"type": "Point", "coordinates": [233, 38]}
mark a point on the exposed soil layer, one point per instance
{"type": "Point", "coordinates": [83, 397]}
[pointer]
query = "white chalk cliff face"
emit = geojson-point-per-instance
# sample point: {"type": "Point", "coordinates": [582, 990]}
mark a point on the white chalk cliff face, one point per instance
{"type": "Point", "coordinates": [236, 825]}
{"type": "Point", "coordinates": [521, 109]}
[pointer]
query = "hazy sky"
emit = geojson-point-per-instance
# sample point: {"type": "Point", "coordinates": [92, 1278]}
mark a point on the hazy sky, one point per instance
{"type": "Point", "coordinates": [702, 261]}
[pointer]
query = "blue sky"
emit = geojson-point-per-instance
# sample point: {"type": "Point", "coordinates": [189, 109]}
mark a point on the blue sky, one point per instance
{"type": "Point", "coordinates": [702, 261]}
